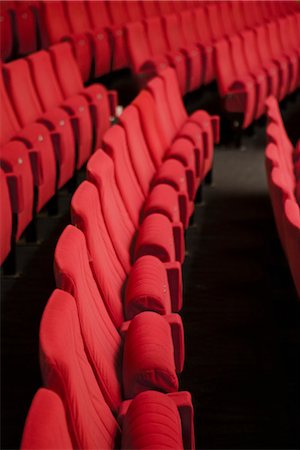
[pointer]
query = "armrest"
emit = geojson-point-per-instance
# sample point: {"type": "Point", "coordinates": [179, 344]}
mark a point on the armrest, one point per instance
{"type": "Point", "coordinates": [37, 167]}
{"type": "Point", "coordinates": [215, 123]}
{"type": "Point", "coordinates": [148, 356]}
{"type": "Point", "coordinates": [183, 401]}
{"type": "Point", "coordinates": [177, 174]}
{"type": "Point", "coordinates": [164, 199]}
{"type": "Point", "coordinates": [178, 234]}
{"type": "Point", "coordinates": [175, 323]}
{"type": "Point", "coordinates": [16, 193]}
{"type": "Point", "coordinates": [152, 421]}
{"type": "Point", "coordinates": [113, 102]}
{"type": "Point", "coordinates": [156, 237]}
{"type": "Point", "coordinates": [175, 284]}
{"type": "Point", "coordinates": [147, 288]}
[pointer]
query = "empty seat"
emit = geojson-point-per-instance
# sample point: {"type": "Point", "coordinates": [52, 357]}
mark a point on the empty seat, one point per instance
{"type": "Point", "coordinates": [46, 425]}
{"type": "Point", "coordinates": [161, 149]}
{"type": "Point", "coordinates": [161, 286]}
{"type": "Point", "coordinates": [156, 235]}
{"type": "Point", "coordinates": [177, 42]}
{"type": "Point", "coordinates": [122, 369]}
{"type": "Point", "coordinates": [79, 21]}
{"type": "Point", "coordinates": [136, 202]}
{"type": "Point", "coordinates": [167, 194]}
{"type": "Point", "coordinates": [102, 102]}
{"type": "Point", "coordinates": [6, 31]}
{"type": "Point", "coordinates": [66, 369]}
{"type": "Point", "coordinates": [51, 96]}
{"type": "Point", "coordinates": [205, 39]}
{"type": "Point", "coordinates": [55, 27]}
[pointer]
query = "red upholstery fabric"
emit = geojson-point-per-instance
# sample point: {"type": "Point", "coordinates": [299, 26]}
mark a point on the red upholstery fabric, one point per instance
{"type": "Point", "coordinates": [150, 365]}
{"type": "Point", "coordinates": [71, 84]}
{"type": "Point", "coordinates": [151, 411]}
{"type": "Point", "coordinates": [46, 425]}
{"type": "Point", "coordinates": [102, 340]}
{"type": "Point", "coordinates": [107, 269]}
{"type": "Point", "coordinates": [147, 288]}
{"type": "Point", "coordinates": [67, 371]}
{"type": "Point", "coordinates": [121, 228]}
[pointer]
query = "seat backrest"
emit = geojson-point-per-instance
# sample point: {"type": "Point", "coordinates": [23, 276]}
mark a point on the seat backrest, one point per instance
{"type": "Point", "coordinates": [263, 43]}
{"type": "Point", "coordinates": [157, 89]}
{"type": "Point", "coordinates": [98, 14]}
{"type": "Point", "coordinates": [238, 56]}
{"type": "Point", "coordinates": [166, 7]}
{"type": "Point", "coordinates": [203, 30]}
{"type": "Point", "coordinates": [26, 28]}
{"type": "Point", "coordinates": [100, 171]}
{"type": "Point", "coordinates": [224, 66]}
{"type": "Point", "coordinates": [107, 270]}
{"type": "Point", "coordinates": [45, 81]}
{"type": "Point", "coordinates": [150, 8]}
{"type": "Point", "coordinates": [54, 24]}
{"type": "Point", "coordinates": [9, 124]}
{"type": "Point", "coordinates": [156, 38]}
{"type": "Point", "coordinates": [115, 145]}
{"type": "Point", "coordinates": [177, 108]}
{"type": "Point", "coordinates": [15, 161]}
{"type": "Point", "coordinates": [77, 16]}
{"type": "Point", "coordinates": [6, 34]}
{"type": "Point", "coordinates": [188, 26]}
{"type": "Point", "coordinates": [226, 16]}
{"type": "Point", "coordinates": [137, 147]}
{"type": "Point", "coordinates": [237, 16]}
{"type": "Point", "coordinates": [118, 12]}
{"type": "Point", "coordinates": [46, 425]}
{"type": "Point", "coordinates": [137, 45]}
{"type": "Point", "coordinates": [275, 43]}
{"type": "Point", "coordinates": [67, 371]}
{"type": "Point", "coordinates": [215, 21]}
{"type": "Point", "coordinates": [66, 69]}
{"type": "Point", "coordinates": [251, 50]}
{"type": "Point", "coordinates": [156, 141]}
{"type": "Point", "coordinates": [173, 31]}
{"type": "Point", "coordinates": [5, 218]}
{"type": "Point", "coordinates": [134, 10]}
{"type": "Point", "coordinates": [22, 92]}
{"type": "Point", "coordinates": [101, 338]}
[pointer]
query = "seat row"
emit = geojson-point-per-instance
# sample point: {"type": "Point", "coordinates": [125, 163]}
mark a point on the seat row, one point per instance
{"type": "Point", "coordinates": [258, 63]}
{"type": "Point", "coordinates": [111, 339]}
{"type": "Point", "coordinates": [283, 174]}
{"type": "Point", "coordinates": [50, 124]}
{"type": "Point", "coordinates": [186, 40]}
{"type": "Point", "coordinates": [96, 30]}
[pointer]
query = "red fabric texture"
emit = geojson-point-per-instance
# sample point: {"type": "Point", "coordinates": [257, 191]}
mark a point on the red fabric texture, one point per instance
{"type": "Point", "coordinates": [46, 424]}
{"type": "Point", "coordinates": [152, 421]}
{"type": "Point", "coordinates": [151, 365]}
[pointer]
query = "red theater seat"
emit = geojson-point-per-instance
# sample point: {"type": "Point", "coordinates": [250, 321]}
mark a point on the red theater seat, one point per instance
{"type": "Point", "coordinates": [127, 351]}
{"type": "Point", "coordinates": [161, 286]}
{"type": "Point", "coordinates": [66, 369]}
{"type": "Point", "coordinates": [46, 425]}
{"type": "Point", "coordinates": [156, 235]}
{"type": "Point", "coordinates": [102, 102]}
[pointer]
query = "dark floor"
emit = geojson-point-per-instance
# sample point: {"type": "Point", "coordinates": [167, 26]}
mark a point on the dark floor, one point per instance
{"type": "Point", "coordinates": [240, 312]}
